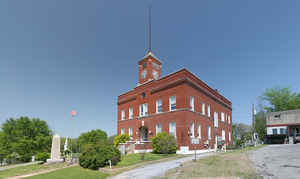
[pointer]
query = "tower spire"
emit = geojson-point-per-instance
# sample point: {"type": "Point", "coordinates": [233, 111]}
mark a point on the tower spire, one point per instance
{"type": "Point", "coordinates": [150, 29]}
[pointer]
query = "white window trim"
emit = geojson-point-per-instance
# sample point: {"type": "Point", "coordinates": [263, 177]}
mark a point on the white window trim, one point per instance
{"type": "Point", "coordinates": [156, 127]}
{"type": "Point", "coordinates": [216, 120]}
{"type": "Point", "coordinates": [199, 131]}
{"type": "Point", "coordinates": [222, 117]}
{"type": "Point", "coordinates": [170, 132]}
{"type": "Point", "coordinates": [130, 133]}
{"type": "Point", "coordinates": [208, 110]}
{"type": "Point", "coordinates": [122, 130]}
{"type": "Point", "coordinates": [157, 105]}
{"type": "Point", "coordinates": [130, 111]}
{"type": "Point", "coordinates": [170, 104]}
{"type": "Point", "coordinates": [223, 134]}
{"type": "Point", "coordinates": [192, 103]}
{"type": "Point", "coordinates": [203, 108]}
{"type": "Point", "coordinates": [145, 109]}
{"type": "Point", "coordinates": [123, 115]}
{"type": "Point", "coordinates": [192, 129]}
{"type": "Point", "coordinates": [209, 133]}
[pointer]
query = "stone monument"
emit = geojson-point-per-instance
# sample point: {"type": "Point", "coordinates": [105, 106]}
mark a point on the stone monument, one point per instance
{"type": "Point", "coordinates": [55, 150]}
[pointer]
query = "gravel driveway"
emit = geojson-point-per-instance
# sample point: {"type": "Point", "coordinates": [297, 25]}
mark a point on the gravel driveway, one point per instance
{"type": "Point", "coordinates": [278, 161]}
{"type": "Point", "coordinates": [155, 170]}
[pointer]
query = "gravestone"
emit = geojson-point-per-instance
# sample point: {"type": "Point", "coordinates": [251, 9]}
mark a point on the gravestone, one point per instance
{"type": "Point", "coordinates": [55, 150]}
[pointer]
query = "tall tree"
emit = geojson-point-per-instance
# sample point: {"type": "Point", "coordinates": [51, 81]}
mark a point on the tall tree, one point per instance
{"type": "Point", "coordinates": [281, 99]}
{"type": "Point", "coordinates": [92, 137]}
{"type": "Point", "coordinates": [26, 137]}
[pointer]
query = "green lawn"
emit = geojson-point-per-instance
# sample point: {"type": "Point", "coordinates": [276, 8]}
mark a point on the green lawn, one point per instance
{"type": "Point", "coordinates": [27, 169]}
{"type": "Point", "coordinates": [232, 164]}
{"type": "Point", "coordinates": [73, 173]}
{"type": "Point", "coordinates": [128, 162]}
{"type": "Point", "coordinates": [132, 159]}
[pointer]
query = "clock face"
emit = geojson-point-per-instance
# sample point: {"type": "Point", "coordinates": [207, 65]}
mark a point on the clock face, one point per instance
{"type": "Point", "coordinates": [144, 74]}
{"type": "Point", "coordinates": [155, 74]}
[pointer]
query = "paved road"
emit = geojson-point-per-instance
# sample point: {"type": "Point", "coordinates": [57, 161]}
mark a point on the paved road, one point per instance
{"type": "Point", "coordinates": [155, 170]}
{"type": "Point", "coordinates": [278, 161]}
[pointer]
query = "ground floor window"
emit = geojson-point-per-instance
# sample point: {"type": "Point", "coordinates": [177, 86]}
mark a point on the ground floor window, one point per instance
{"type": "Point", "coordinates": [172, 129]}
{"type": "Point", "coordinates": [122, 130]}
{"type": "Point", "coordinates": [209, 133]}
{"type": "Point", "coordinates": [158, 128]}
{"type": "Point", "coordinates": [130, 132]}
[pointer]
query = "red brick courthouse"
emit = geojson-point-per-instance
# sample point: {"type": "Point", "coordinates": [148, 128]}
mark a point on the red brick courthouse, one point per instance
{"type": "Point", "coordinates": [179, 103]}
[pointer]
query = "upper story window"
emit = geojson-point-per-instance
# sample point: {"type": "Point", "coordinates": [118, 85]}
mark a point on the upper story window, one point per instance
{"type": "Point", "coordinates": [208, 110]}
{"type": "Point", "coordinates": [172, 129]}
{"type": "Point", "coordinates": [172, 102]}
{"type": "Point", "coordinates": [192, 103]}
{"type": "Point", "coordinates": [222, 117]}
{"type": "Point", "coordinates": [144, 65]}
{"type": "Point", "coordinates": [203, 108]}
{"type": "Point", "coordinates": [130, 113]}
{"type": "Point", "coordinates": [229, 136]}
{"type": "Point", "coordinates": [143, 109]}
{"type": "Point", "coordinates": [123, 115]}
{"type": "Point", "coordinates": [229, 120]}
{"type": "Point", "coordinates": [199, 130]}
{"type": "Point", "coordinates": [144, 74]}
{"type": "Point", "coordinates": [122, 130]}
{"type": "Point", "coordinates": [158, 106]}
{"type": "Point", "coordinates": [155, 66]}
{"type": "Point", "coordinates": [155, 74]}
{"type": "Point", "coordinates": [209, 133]}
{"type": "Point", "coordinates": [274, 131]}
{"type": "Point", "coordinates": [158, 128]}
{"type": "Point", "coordinates": [192, 130]}
{"type": "Point", "coordinates": [216, 120]}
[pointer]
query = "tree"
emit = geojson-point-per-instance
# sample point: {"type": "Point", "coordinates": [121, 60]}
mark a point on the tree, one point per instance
{"type": "Point", "coordinates": [281, 99]}
{"type": "Point", "coordinates": [111, 139]}
{"type": "Point", "coordinates": [260, 125]}
{"type": "Point", "coordinates": [241, 133]}
{"type": "Point", "coordinates": [121, 139]}
{"type": "Point", "coordinates": [164, 143]}
{"type": "Point", "coordinates": [96, 155]}
{"type": "Point", "coordinates": [25, 137]}
{"type": "Point", "coordinates": [92, 137]}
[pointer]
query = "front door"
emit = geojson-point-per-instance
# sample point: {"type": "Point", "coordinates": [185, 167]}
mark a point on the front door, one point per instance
{"type": "Point", "coordinates": [144, 133]}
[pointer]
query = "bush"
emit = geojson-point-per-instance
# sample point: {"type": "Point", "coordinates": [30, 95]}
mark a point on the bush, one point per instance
{"type": "Point", "coordinates": [95, 156]}
{"type": "Point", "coordinates": [164, 143]}
{"type": "Point", "coordinates": [42, 156]}
{"type": "Point", "coordinates": [121, 139]}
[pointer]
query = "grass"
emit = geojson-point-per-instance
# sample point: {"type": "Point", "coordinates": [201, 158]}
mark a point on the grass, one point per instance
{"type": "Point", "coordinates": [72, 172]}
{"type": "Point", "coordinates": [132, 159]}
{"type": "Point", "coordinates": [228, 165]}
{"type": "Point", "coordinates": [22, 170]}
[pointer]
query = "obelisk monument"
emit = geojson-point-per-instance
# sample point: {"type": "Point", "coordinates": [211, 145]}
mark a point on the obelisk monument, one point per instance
{"type": "Point", "coordinates": [55, 150]}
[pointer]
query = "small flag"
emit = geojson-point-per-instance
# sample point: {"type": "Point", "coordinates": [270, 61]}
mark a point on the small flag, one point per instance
{"type": "Point", "coordinates": [73, 113]}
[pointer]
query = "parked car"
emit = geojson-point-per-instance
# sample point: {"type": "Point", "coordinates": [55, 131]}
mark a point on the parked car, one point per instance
{"type": "Point", "coordinates": [297, 138]}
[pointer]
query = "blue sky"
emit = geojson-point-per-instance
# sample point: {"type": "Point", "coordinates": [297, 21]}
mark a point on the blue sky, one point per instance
{"type": "Point", "coordinates": [56, 56]}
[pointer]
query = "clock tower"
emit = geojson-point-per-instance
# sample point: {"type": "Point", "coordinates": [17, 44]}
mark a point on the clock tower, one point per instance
{"type": "Point", "coordinates": [149, 68]}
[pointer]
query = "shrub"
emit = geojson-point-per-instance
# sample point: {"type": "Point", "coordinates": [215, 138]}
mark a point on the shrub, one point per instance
{"type": "Point", "coordinates": [121, 139]}
{"type": "Point", "coordinates": [164, 143]}
{"type": "Point", "coordinates": [95, 156]}
{"type": "Point", "coordinates": [42, 156]}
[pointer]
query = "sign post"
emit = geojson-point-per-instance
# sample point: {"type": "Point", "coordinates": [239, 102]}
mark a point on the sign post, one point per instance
{"type": "Point", "coordinates": [195, 141]}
